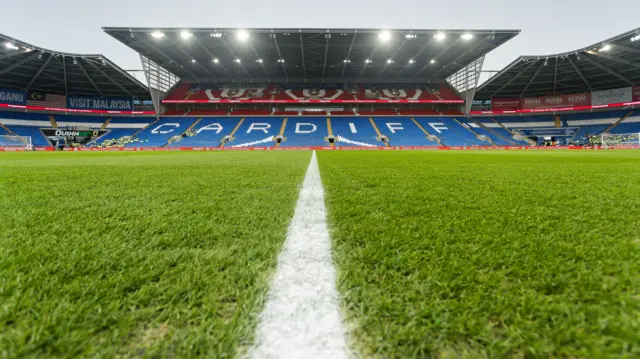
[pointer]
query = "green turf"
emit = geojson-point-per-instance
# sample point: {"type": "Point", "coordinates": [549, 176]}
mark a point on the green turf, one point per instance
{"type": "Point", "coordinates": [139, 254]}
{"type": "Point", "coordinates": [488, 255]}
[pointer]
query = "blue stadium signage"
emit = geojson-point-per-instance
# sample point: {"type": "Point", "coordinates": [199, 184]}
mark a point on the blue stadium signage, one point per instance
{"type": "Point", "coordinates": [93, 103]}
{"type": "Point", "coordinates": [13, 97]}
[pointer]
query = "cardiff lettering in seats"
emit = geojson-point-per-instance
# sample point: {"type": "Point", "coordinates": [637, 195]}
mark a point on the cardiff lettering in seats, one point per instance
{"type": "Point", "coordinates": [160, 129]}
{"type": "Point", "coordinates": [259, 126]}
{"type": "Point", "coordinates": [302, 127]}
{"type": "Point", "coordinates": [210, 127]}
{"type": "Point", "coordinates": [393, 126]}
{"type": "Point", "coordinates": [438, 126]}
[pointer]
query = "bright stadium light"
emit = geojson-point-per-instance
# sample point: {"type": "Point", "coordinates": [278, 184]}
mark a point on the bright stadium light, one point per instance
{"type": "Point", "coordinates": [410, 36]}
{"type": "Point", "coordinates": [216, 35]}
{"type": "Point", "coordinates": [411, 61]}
{"type": "Point", "coordinates": [237, 61]}
{"type": "Point", "coordinates": [346, 61]}
{"type": "Point", "coordinates": [467, 36]}
{"type": "Point", "coordinates": [384, 36]}
{"type": "Point", "coordinates": [368, 61]}
{"type": "Point", "coordinates": [242, 35]}
{"type": "Point", "coordinates": [193, 61]}
{"type": "Point", "coordinates": [281, 61]}
{"type": "Point", "coordinates": [259, 61]}
{"type": "Point", "coordinates": [433, 61]}
{"type": "Point", "coordinates": [440, 36]}
{"type": "Point", "coordinates": [157, 35]}
{"type": "Point", "coordinates": [10, 45]}
{"type": "Point", "coordinates": [215, 60]}
{"type": "Point", "coordinates": [390, 61]}
{"type": "Point", "coordinates": [605, 48]}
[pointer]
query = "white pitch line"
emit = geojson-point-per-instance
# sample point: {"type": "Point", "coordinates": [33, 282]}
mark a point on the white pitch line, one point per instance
{"type": "Point", "coordinates": [301, 318]}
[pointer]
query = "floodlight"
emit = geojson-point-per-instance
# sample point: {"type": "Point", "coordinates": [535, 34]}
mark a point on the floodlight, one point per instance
{"type": "Point", "coordinates": [433, 61]}
{"type": "Point", "coordinates": [368, 61]}
{"type": "Point", "coordinates": [390, 61]}
{"type": "Point", "coordinates": [185, 34]}
{"type": "Point", "coordinates": [259, 61]}
{"type": "Point", "coordinates": [193, 61]}
{"type": "Point", "coordinates": [281, 61]}
{"type": "Point", "coordinates": [10, 45]}
{"type": "Point", "coordinates": [346, 61]}
{"type": "Point", "coordinates": [237, 61]}
{"type": "Point", "coordinates": [411, 61]}
{"type": "Point", "coordinates": [157, 35]}
{"type": "Point", "coordinates": [242, 35]}
{"type": "Point", "coordinates": [440, 36]}
{"type": "Point", "coordinates": [605, 48]}
{"type": "Point", "coordinates": [215, 60]}
{"type": "Point", "coordinates": [467, 36]}
{"type": "Point", "coordinates": [384, 36]}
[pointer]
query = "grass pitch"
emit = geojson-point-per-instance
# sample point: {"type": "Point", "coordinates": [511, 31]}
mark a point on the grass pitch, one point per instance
{"type": "Point", "coordinates": [488, 255]}
{"type": "Point", "coordinates": [139, 254]}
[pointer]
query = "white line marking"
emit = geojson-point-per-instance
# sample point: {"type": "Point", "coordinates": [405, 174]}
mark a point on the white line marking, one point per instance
{"type": "Point", "coordinates": [301, 318]}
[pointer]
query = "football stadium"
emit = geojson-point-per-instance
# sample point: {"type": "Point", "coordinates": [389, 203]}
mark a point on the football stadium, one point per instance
{"type": "Point", "coordinates": [319, 193]}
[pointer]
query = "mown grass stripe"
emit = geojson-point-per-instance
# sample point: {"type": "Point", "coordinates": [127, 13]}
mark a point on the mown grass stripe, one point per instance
{"type": "Point", "coordinates": [301, 318]}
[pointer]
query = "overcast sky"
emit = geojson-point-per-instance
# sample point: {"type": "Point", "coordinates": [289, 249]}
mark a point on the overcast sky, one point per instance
{"type": "Point", "coordinates": [548, 26]}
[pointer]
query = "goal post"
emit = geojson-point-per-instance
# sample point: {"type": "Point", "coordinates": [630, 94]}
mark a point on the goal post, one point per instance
{"type": "Point", "coordinates": [620, 140]}
{"type": "Point", "coordinates": [13, 142]}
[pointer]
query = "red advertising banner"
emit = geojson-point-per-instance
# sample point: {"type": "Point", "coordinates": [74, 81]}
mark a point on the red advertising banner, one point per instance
{"type": "Point", "coordinates": [306, 101]}
{"type": "Point", "coordinates": [571, 100]}
{"type": "Point", "coordinates": [636, 94]}
{"type": "Point", "coordinates": [72, 110]}
{"type": "Point", "coordinates": [505, 104]}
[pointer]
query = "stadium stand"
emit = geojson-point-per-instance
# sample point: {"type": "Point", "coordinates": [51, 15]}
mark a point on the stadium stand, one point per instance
{"type": "Point", "coordinates": [257, 131]}
{"type": "Point", "coordinates": [402, 131]}
{"type": "Point", "coordinates": [158, 133]}
{"type": "Point", "coordinates": [354, 131]}
{"type": "Point", "coordinates": [208, 132]}
{"type": "Point", "coordinates": [305, 132]}
{"type": "Point", "coordinates": [449, 131]}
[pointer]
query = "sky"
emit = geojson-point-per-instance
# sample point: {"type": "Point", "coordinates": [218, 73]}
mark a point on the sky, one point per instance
{"type": "Point", "coordinates": [548, 26]}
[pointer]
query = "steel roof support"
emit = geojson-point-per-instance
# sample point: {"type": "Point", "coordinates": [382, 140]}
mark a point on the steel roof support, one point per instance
{"type": "Point", "coordinates": [607, 69]}
{"type": "Point", "coordinates": [471, 50]}
{"type": "Point", "coordinates": [190, 57]}
{"type": "Point", "coordinates": [156, 49]}
{"type": "Point", "coordinates": [304, 66]}
{"type": "Point", "coordinates": [235, 57]}
{"type": "Point", "coordinates": [344, 67]}
{"type": "Point", "coordinates": [109, 78]}
{"type": "Point", "coordinates": [19, 63]}
{"type": "Point", "coordinates": [37, 74]}
{"type": "Point", "coordinates": [532, 79]}
{"type": "Point", "coordinates": [86, 74]}
{"type": "Point", "coordinates": [555, 76]}
{"type": "Point", "coordinates": [284, 68]}
{"type": "Point", "coordinates": [211, 56]}
{"type": "Point", "coordinates": [326, 52]}
{"type": "Point", "coordinates": [64, 73]}
{"type": "Point", "coordinates": [515, 77]}
{"type": "Point", "coordinates": [584, 79]}
{"type": "Point", "coordinates": [395, 54]}
{"type": "Point", "coordinates": [617, 59]}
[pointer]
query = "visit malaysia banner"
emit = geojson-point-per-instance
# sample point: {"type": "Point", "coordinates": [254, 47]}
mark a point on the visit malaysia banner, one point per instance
{"type": "Point", "coordinates": [559, 101]}
{"type": "Point", "coordinates": [13, 97]}
{"type": "Point", "coordinates": [99, 103]}
{"type": "Point", "coordinates": [599, 98]}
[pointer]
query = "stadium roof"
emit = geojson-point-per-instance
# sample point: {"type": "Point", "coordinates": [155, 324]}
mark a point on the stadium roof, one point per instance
{"type": "Point", "coordinates": [27, 67]}
{"type": "Point", "coordinates": [608, 64]}
{"type": "Point", "coordinates": [311, 55]}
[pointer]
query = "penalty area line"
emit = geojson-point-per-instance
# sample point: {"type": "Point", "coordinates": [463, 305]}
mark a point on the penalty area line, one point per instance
{"type": "Point", "coordinates": [301, 318]}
